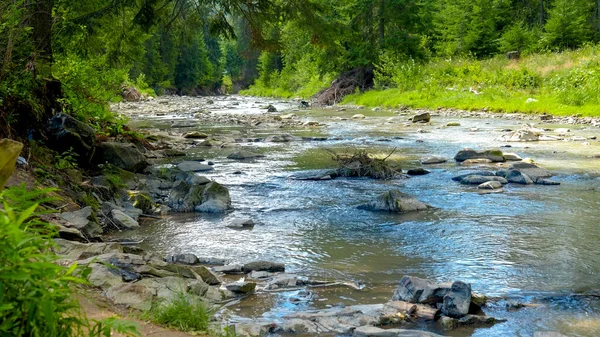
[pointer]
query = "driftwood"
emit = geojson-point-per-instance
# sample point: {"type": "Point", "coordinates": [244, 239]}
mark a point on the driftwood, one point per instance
{"type": "Point", "coordinates": [361, 164]}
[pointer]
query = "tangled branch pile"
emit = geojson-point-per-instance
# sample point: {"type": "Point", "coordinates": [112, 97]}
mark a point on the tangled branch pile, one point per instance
{"type": "Point", "coordinates": [361, 164]}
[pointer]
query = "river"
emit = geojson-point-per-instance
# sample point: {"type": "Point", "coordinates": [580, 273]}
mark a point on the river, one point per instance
{"type": "Point", "coordinates": [532, 244]}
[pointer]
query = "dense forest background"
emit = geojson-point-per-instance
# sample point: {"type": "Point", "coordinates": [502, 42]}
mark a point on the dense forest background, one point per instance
{"type": "Point", "coordinates": [79, 55]}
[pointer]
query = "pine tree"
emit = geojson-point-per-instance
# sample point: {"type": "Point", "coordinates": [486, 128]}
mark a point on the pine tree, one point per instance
{"type": "Point", "coordinates": [569, 24]}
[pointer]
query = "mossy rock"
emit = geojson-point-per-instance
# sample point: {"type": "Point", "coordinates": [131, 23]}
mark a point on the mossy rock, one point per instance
{"type": "Point", "coordinates": [142, 201]}
{"type": "Point", "coordinates": [9, 152]}
{"type": "Point", "coordinates": [216, 191]}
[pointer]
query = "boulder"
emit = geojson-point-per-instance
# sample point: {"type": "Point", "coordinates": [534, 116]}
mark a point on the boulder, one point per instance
{"type": "Point", "coordinates": [241, 287]}
{"type": "Point", "coordinates": [432, 160]}
{"type": "Point", "coordinates": [518, 177]}
{"type": "Point", "coordinates": [523, 135]}
{"type": "Point", "coordinates": [480, 161]}
{"type": "Point", "coordinates": [272, 267]}
{"type": "Point", "coordinates": [244, 154]}
{"type": "Point", "coordinates": [9, 152]}
{"type": "Point", "coordinates": [121, 155]}
{"type": "Point", "coordinates": [123, 220]}
{"type": "Point", "coordinates": [241, 223]}
{"type": "Point", "coordinates": [129, 210]}
{"type": "Point", "coordinates": [495, 155]}
{"type": "Point", "coordinates": [416, 290]}
{"type": "Point", "coordinates": [80, 220]}
{"type": "Point", "coordinates": [132, 295]}
{"type": "Point", "coordinates": [422, 118]}
{"type": "Point", "coordinates": [71, 234]}
{"type": "Point", "coordinates": [394, 201]}
{"type": "Point", "coordinates": [532, 170]}
{"type": "Point", "coordinates": [209, 198]}
{"type": "Point", "coordinates": [194, 166]}
{"type": "Point", "coordinates": [474, 173]}
{"type": "Point", "coordinates": [271, 108]}
{"type": "Point", "coordinates": [457, 301]}
{"type": "Point", "coordinates": [131, 94]}
{"type": "Point", "coordinates": [478, 180]}
{"type": "Point", "coordinates": [67, 133]}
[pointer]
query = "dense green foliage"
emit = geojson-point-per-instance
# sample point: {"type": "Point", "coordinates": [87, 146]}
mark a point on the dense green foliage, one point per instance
{"type": "Point", "coordinates": [398, 37]}
{"type": "Point", "coordinates": [77, 56]}
{"type": "Point", "coordinates": [36, 294]}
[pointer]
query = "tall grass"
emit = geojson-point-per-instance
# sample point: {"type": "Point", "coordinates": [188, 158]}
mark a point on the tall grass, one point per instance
{"type": "Point", "coordinates": [183, 313]}
{"type": "Point", "coordinates": [558, 83]}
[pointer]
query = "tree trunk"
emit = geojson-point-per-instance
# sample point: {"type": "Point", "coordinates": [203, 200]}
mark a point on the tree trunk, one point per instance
{"type": "Point", "coordinates": [382, 23]}
{"type": "Point", "coordinates": [41, 23]}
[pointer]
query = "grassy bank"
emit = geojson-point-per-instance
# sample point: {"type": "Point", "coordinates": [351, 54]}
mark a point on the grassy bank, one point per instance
{"type": "Point", "coordinates": [556, 83]}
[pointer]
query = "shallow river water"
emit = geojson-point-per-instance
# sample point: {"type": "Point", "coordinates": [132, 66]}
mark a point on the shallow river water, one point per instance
{"type": "Point", "coordinates": [533, 244]}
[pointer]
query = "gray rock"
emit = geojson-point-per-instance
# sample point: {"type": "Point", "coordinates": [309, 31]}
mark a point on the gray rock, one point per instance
{"type": "Point", "coordinates": [80, 220]}
{"type": "Point", "coordinates": [122, 155]}
{"type": "Point", "coordinates": [123, 220]}
{"type": "Point", "coordinates": [456, 303]}
{"type": "Point", "coordinates": [432, 160]}
{"type": "Point", "coordinates": [518, 177]}
{"type": "Point", "coordinates": [71, 234]}
{"type": "Point", "coordinates": [229, 269]}
{"type": "Point", "coordinates": [189, 259]}
{"type": "Point", "coordinates": [242, 223]}
{"type": "Point", "coordinates": [416, 290]}
{"type": "Point", "coordinates": [271, 108]}
{"type": "Point", "coordinates": [475, 173]}
{"type": "Point", "coordinates": [132, 212]}
{"type": "Point", "coordinates": [495, 155]}
{"type": "Point", "coordinates": [512, 157]}
{"type": "Point", "coordinates": [68, 133]}
{"type": "Point", "coordinates": [241, 287]}
{"type": "Point", "coordinates": [533, 171]}
{"type": "Point", "coordinates": [478, 180]}
{"type": "Point", "coordinates": [371, 331]}
{"type": "Point", "coordinates": [490, 185]}
{"type": "Point", "coordinates": [209, 198]}
{"type": "Point", "coordinates": [194, 166]}
{"type": "Point", "coordinates": [272, 267]}
{"type": "Point", "coordinates": [244, 154]}
{"type": "Point", "coordinates": [257, 275]}
{"type": "Point", "coordinates": [394, 201]}
{"type": "Point", "coordinates": [422, 118]}
{"type": "Point", "coordinates": [131, 295]}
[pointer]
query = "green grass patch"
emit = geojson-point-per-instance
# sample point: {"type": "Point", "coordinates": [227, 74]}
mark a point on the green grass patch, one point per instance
{"type": "Point", "coordinates": [183, 313]}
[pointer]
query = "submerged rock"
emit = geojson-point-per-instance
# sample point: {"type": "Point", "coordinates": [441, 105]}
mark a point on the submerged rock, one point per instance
{"type": "Point", "coordinates": [241, 287]}
{"type": "Point", "coordinates": [433, 160]}
{"type": "Point", "coordinates": [242, 223]}
{"type": "Point", "coordinates": [194, 166]}
{"type": "Point", "coordinates": [244, 154]}
{"type": "Point", "coordinates": [417, 172]}
{"type": "Point", "coordinates": [490, 185]}
{"type": "Point", "coordinates": [394, 201]}
{"type": "Point", "coordinates": [371, 331]}
{"type": "Point", "coordinates": [195, 135]}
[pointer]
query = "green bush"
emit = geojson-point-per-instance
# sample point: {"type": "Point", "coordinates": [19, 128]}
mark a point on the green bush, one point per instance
{"type": "Point", "coordinates": [182, 313]}
{"type": "Point", "coordinates": [36, 294]}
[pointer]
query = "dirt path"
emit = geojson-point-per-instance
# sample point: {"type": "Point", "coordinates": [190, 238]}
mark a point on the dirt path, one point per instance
{"type": "Point", "coordinates": [97, 308]}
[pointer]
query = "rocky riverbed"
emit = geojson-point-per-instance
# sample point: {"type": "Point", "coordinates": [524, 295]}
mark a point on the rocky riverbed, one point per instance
{"type": "Point", "coordinates": [235, 200]}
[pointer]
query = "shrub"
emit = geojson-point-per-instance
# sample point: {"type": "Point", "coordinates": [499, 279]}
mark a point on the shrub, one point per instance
{"type": "Point", "coordinates": [36, 295]}
{"type": "Point", "coordinates": [185, 314]}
